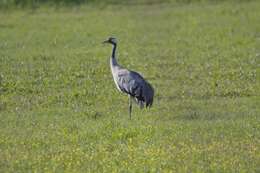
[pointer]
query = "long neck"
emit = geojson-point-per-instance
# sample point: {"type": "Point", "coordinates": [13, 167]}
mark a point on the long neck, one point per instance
{"type": "Point", "coordinates": [114, 51]}
{"type": "Point", "coordinates": [113, 57]}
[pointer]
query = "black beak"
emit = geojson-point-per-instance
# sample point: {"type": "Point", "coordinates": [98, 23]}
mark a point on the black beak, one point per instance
{"type": "Point", "coordinates": [106, 41]}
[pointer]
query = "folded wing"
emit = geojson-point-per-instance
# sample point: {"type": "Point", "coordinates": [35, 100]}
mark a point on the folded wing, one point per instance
{"type": "Point", "coordinates": [135, 85]}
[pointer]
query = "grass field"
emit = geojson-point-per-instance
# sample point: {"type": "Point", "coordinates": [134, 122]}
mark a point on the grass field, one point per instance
{"type": "Point", "coordinates": [60, 110]}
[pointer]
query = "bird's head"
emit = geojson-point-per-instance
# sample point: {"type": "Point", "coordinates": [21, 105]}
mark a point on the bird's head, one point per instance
{"type": "Point", "coordinates": [111, 40]}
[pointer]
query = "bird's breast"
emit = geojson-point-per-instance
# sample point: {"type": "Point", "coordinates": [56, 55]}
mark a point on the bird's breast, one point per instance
{"type": "Point", "coordinates": [115, 77]}
{"type": "Point", "coordinates": [114, 70]}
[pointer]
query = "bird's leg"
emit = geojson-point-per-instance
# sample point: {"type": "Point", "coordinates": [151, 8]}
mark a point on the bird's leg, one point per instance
{"type": "Point", "coordinates": [130, 106]}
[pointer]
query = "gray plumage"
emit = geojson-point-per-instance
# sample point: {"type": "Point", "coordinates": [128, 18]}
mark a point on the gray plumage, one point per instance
{"type": "Point", "coordinates": [130, 82]}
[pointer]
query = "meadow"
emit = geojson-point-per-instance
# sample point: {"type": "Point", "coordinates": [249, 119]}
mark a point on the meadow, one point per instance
{"type": "Point", "coordinates": [60, 110]}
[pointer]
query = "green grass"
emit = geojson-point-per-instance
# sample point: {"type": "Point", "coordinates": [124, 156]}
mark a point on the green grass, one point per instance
{"type": "Point", "coordinates": [60, 110]}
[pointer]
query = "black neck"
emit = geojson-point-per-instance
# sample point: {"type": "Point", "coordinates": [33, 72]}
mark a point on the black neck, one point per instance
{"type": "Point", "coordinates": [114, 51]}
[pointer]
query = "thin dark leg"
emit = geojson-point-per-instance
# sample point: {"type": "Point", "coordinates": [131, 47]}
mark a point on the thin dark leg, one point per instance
{"type": "Point", "coordinates": [130, 106]}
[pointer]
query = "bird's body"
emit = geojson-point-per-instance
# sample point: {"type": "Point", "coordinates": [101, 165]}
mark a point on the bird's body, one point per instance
{"type": "Point", "coordinates": [130, 82]}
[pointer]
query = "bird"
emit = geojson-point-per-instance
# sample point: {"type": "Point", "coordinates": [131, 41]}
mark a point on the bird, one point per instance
{"type": "Point", "coordinates": [130, 82]}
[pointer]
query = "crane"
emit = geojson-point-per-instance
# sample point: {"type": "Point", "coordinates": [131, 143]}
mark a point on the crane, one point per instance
{"type": "Point", "coordinates": [130, 82]}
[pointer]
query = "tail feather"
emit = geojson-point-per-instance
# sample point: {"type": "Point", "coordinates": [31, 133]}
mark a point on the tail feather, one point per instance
{"type": "Point", "coordinates": [144, 96]}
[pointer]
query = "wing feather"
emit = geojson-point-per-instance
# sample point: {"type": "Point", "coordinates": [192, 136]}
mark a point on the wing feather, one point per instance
{"type": "Point", "coordinates": [135, 85]}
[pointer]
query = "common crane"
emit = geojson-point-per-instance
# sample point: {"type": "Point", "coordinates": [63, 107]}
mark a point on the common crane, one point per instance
{"type": "Point", "coordinates": [130, 82]}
